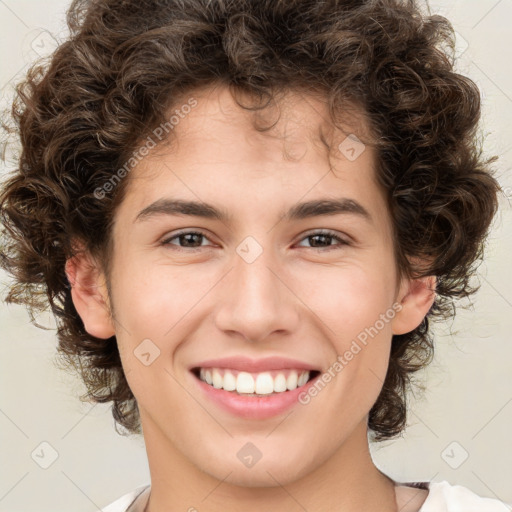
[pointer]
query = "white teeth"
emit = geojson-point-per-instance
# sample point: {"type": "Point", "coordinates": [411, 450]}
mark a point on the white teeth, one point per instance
{"type": "Point", "coordinates": [218, 381]}
{"type": "Point", "coordinates": [229, 381]}
{"type": "Point", "coordinates": [244, 383]}
{"type": "Point", "coordinates": [302, 380]}
{"type": "Point", "coordinates": [291, 381]}
{"type": "Point", "coordinates": [263, 383]}
{"type": "Point", "coordinates": [280, 383]}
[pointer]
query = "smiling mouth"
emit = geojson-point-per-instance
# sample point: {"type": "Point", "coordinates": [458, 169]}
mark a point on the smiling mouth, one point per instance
{"type": "Point", "coordinates": [260, 384]}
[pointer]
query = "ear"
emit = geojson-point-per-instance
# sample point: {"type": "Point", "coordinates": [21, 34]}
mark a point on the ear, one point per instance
{"type": "Point", "coordinates": [89, 294]}
{"type": "Point", "coordinates": [415, 297]}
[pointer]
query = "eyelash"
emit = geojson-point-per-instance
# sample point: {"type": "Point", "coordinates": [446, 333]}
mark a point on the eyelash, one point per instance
{"type": "Point", "coordinates": [330, 234]}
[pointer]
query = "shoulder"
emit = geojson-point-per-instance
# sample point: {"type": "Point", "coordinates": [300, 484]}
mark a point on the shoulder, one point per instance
{"type": "Point", "coordinates": [444, 497]}
{"type": "Point", "coordinates": [134, 501]}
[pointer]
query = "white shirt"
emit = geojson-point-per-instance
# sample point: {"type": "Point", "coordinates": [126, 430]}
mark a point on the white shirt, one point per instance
{"type": "Point", "coordinates": [442, 497]}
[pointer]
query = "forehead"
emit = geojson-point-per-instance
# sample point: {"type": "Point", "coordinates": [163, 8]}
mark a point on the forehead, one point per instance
{"type": "Point", "coordinates": [281, 153]}
{"type": "Point", "coordinates": [292, 123]}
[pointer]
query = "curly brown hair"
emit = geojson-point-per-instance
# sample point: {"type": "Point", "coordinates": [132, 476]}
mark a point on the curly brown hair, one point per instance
{"type": "Point", "coordinates": [125, 63]}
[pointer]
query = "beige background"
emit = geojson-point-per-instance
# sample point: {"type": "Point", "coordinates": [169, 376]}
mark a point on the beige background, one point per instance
{"type": "Point", "coordinates": [467, 411]}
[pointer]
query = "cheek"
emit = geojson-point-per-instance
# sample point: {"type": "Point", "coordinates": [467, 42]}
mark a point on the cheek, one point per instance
{"type": "Point", "coordinates": [151, 301]}
{"type": "Point", "coordinates": [354, 305]}
{"type": "Point", "coordinates": [348, 300]}
{"type": "Point", "coordinates": [157, 307]}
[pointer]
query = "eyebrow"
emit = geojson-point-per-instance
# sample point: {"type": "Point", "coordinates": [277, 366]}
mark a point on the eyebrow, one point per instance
{"type": "Point", "coordinates": [314, 208]}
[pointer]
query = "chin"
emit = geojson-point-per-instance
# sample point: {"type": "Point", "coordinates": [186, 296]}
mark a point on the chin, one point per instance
{"type": "Point", "coordinates": [279, 468]}
{"type": "Point", "coordinates": [264, 476]}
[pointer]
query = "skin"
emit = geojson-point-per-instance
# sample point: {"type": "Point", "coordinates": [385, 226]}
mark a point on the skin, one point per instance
{"type": "Point", "coordinates": [297, 300]}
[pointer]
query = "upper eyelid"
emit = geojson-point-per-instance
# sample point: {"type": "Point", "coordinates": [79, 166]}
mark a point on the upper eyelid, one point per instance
{"type": "Point", "coordinates": [342, 238]}
{"type": "Point", "coordinates": [190, 231]}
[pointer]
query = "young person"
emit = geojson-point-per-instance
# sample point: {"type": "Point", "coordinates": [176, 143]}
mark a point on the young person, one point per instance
{"type": "Point", "coordinates": [244, 215]}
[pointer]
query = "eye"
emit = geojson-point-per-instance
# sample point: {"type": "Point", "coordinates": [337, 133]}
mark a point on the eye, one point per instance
{"type": "Point", "coordinates": [189, 239]}
{"type": "Point", "coordinates": [322, 238]}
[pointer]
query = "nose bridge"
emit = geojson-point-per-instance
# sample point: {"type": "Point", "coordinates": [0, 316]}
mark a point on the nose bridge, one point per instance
{"type": "Point", "coordinates": [254, 301]}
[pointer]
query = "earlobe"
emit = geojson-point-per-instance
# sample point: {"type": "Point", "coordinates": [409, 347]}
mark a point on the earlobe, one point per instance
{"type": "Point", "coordinates": [90, 295]}
{"type": "Point", "coordinates": [416, 298]}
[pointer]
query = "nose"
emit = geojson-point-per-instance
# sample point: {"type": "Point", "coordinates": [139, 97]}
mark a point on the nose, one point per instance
{"type": "Point", "coordinates": [257, 300]}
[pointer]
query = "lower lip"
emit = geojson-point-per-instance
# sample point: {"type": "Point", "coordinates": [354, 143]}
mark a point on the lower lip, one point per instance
{"type": "Point", "coordinates": [254, 407]}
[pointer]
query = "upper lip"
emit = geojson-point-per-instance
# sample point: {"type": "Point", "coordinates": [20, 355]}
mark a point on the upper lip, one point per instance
{"type": "Point", "coordinates": [255, 365]}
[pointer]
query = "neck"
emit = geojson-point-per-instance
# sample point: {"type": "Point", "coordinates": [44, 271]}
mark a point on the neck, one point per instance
{"type": "Point", "coordinates": [348, 481]}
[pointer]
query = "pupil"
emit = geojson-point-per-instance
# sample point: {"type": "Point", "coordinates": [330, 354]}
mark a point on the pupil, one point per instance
{"type": "Point", "coordinates": [313, 237]}
{"type": "Point", "coordinates": [184, 237]}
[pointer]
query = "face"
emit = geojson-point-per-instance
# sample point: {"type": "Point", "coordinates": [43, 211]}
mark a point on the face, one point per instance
{"type": "Point", "coordinates": [261, 281]}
